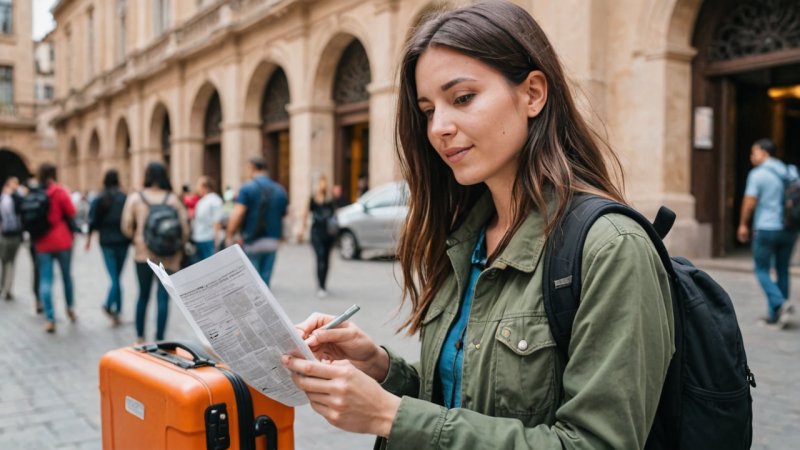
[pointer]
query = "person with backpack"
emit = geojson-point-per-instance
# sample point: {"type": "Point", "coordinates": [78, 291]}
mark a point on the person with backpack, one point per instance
{"type": "Point", "coordinates": [105, 217]}
{"type": "Point", "coordinates": [496, 156]}
{"type": "Point", "coordinates": [772, 240]}
{"type": "Point", "coordinates": [258, 216]}
{"type": "Point", "coordinates": [10, 235]}
{"type": "Point", "coordinates": [158, 224]}
{"type": "Point", "coordinates": [51, 214]}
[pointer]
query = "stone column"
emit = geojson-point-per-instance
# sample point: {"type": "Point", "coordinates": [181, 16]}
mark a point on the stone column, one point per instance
{"type": "Point", "coordinates": [240, 141]}
{"type": "Point", "coordinates": [312, 142]}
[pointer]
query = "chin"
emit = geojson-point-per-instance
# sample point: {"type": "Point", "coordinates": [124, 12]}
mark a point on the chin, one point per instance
{"type": "Point", "coordinates": [467, 179]}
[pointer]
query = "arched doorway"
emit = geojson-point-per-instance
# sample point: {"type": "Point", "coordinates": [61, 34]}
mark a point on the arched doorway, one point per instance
{"type": "Point", "coordinates": [161, 134]}
{"type": "Point", "coordinates": [275, 127]}
{"type": "Point", "coordinates": [92, 174]}
{"type": "Point", "coordinates": [745, 86]}
{"type": "Point", "coordinates": [12, 165]}
{"type": "Point", "coordinates": [122, 153]}
{"type": "Point", "coordinates": [212, 139]}
{"type": "Point", "coordinates": [72, 164]}
{"type": "Point", "coordinates": [351, 154]}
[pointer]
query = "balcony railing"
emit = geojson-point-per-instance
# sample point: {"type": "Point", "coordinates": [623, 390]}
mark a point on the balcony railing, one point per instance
{"type": "Point", "coordinates": [22, 112]}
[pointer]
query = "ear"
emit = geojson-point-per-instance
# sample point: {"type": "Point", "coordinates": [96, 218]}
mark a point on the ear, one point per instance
{"type": "Point", "coordinates": [534, 91]}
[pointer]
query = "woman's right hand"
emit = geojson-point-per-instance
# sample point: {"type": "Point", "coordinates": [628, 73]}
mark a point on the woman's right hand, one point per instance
{"type": "Point", "coordinates": [347, 341]}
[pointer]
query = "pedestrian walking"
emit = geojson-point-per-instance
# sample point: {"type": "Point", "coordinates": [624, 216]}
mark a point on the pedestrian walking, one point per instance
{"type": "Point", "coordinates": [493, 148]}
{"type": "Point", "coordinates": [55, 245]}
{"type": "Point", "coordinates": [105, 218]}
{"type": "Point", "coordinates": [772, 245]}
{"type": "Point", "coordinates": [208, 215]}
{"type": "Point", "coordinates": [10, 235]}
{"type": "Point", "coordinates": [258, 216]}
{"type": "Point", "coordinates": [157, 222]}
{"type": "Point", "coordinates": [323, 231]}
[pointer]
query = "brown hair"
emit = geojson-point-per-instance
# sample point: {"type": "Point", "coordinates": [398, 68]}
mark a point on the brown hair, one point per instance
{"type": "Point", "coordinates": [561, 155]}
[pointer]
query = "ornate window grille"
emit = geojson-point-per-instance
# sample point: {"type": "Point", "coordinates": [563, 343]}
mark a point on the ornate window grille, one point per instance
{"type": "Point", "coordinates": [352, 76]}
{"type": "Point", "coordinates": [756, 27]}
{"type": "Point", "coordinates": [276, 97]}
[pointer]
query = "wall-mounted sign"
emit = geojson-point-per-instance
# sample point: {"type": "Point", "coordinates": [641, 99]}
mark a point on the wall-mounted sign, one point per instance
{"type": "Point", "coordinates": [703, 127]}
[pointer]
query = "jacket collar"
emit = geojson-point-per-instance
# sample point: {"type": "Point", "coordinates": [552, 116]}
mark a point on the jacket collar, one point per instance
{"type": "Point", "coordinates": [522, 252]}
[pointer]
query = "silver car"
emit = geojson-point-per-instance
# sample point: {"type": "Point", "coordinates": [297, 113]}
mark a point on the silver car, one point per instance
{"type": "Point", "coordinates": [374, 221]}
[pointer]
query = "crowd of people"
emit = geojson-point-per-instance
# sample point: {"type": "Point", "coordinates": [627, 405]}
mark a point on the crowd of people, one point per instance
{"type": "Point", "coordinates": [175, 230]}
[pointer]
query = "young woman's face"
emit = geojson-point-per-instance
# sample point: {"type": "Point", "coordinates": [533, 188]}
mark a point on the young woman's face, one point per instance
{"type": "Point", "coordinates": [477, 121]}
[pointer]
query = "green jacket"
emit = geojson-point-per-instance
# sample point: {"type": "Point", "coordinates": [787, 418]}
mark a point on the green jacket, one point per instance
{"type": "Point", "coordinates": [516, 391]}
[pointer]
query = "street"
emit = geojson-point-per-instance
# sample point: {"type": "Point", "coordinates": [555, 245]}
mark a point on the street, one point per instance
{"type": "Point", "coordinates": [50, 397]}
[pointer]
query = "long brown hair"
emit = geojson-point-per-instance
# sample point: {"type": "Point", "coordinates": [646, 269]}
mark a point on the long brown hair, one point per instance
{"type": "Point", "coordinates": [561, 155]}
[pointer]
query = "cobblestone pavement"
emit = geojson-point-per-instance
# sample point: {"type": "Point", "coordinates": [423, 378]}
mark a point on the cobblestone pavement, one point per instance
{"type": "Point", "coordinates": [49, 397]}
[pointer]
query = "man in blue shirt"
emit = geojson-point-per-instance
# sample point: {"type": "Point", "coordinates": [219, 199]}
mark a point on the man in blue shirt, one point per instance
{"type": "Point", "coordinates": [258, 215]}
{"type": "Point", "coordinates": [771, 242]}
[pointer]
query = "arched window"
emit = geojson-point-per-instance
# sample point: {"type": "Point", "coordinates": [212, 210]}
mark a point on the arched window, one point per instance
{"type": "Point", "coordinates": [756, 27]}
{"type": "Point", "coordinates": [352, 75]}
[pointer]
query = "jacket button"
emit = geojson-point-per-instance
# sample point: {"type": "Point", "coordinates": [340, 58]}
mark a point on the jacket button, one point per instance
{"type": "Point", "coordinates": [523, 344]}
{"type": "Point", "coordinates": [506, 333]}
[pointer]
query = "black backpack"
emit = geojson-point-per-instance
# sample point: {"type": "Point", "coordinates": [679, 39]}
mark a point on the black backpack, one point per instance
{"type": "Point", "coordinates": [791, 200]}
{"type": "Point", "coordinates": [163, 232]}
{"type": "Point", "coordinates": [33, 211]}
{"type": "Point", "coordinates": [705, 402]}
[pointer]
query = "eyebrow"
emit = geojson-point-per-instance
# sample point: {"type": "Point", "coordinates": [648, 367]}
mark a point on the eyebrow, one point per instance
{"type": "Point", "coordinates": [447, 86]}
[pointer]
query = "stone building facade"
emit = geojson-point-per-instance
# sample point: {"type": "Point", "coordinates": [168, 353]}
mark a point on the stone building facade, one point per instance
{"type": "Point", "coordinates": [22, 148]}
{"type": "Point", "coordinates": [311, 84]}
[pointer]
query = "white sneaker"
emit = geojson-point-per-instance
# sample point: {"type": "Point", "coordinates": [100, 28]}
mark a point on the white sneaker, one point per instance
{"type": "Point", "coordinates": [787, 312]}
{"type": "Point", "coordinates": [322, 293]}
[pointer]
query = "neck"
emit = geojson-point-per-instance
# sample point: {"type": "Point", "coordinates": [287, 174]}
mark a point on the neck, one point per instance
{"type": "Point", "coordinates": [501, 196]}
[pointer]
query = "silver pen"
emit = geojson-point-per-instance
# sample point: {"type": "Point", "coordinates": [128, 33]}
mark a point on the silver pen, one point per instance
{"type": "Point", "coordinates": [341, 318]}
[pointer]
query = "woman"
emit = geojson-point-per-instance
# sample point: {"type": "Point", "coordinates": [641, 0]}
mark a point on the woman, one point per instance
{"type": "Point", "coordinates": [105, 217]}
{"type": "Point", "coordinates": [55, 245]}
{"type": "Point", "coordinates": [157, 190]}
{"type": "Point", "coordinates": [493, 149]}
{"type": "Point", "coordinates": [322, 236]}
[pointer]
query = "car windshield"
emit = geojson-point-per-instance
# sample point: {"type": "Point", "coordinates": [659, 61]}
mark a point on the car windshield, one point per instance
{"type": "Point", "coordinates": [394, 194]}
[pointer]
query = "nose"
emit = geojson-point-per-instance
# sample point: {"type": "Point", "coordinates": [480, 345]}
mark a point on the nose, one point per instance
{"type": "Point", "coordinates": [442, 124]}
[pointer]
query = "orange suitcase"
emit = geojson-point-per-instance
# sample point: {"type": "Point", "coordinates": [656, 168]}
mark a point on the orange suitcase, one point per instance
{"type": "Point", "coordinates": [158, 397]}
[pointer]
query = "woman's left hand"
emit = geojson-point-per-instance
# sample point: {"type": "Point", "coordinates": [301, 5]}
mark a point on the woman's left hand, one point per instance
{"type": "Point", "coordinates": [346, 397]}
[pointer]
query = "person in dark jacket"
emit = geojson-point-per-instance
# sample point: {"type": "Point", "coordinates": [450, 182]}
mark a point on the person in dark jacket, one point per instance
{"type": "Point", "coordinates": [10, 235]}
{"type": "Point", "coordinates": [105, 216]}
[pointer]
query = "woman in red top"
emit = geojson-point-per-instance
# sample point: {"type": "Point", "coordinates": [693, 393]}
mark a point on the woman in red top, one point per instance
{"type": "Point", "coordinates": [55, 245]}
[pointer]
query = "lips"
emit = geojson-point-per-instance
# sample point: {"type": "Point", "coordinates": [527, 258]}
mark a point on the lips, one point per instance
{"type": "Point", "coordinates": [456, 154]}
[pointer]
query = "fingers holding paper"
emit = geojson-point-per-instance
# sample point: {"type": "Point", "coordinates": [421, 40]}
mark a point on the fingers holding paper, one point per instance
{"type": "Point", "coordinates": [344, 395]}
{"type": "Point", "coordinates": [345, 342]}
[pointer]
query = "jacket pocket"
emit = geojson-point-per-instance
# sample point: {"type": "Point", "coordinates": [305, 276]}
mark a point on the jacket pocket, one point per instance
{"type": "Point", "coordinates": [700, 404]}
{"type": "Point", "coordinates": [524, 367]}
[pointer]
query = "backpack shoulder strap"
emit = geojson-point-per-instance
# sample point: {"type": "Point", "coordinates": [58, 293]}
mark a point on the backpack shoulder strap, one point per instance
{"type": "Point", "coordinates": [561, 277]}
{"type": "Point", "coordinates": [141, 195]}
{"type": "Point", "coordinates": [166, 197]}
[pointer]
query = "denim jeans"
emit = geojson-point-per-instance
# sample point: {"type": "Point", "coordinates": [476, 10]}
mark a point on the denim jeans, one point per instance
{"type": "Point", "coordinates": [204, 250]}
{"type": "Point", "coordinates": [44, 262]}
{"type": "Point", "coordinates": [145, 276]}
{"type": "Point", "coordinates": [263, 262]}
{"type": "Point", "coordinates": [773, 248]}
{"type": "Point", "coordinates": [114, 257]}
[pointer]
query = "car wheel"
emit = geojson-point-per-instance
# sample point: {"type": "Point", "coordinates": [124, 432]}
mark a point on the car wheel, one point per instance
{"type": "Point", "coordinates": [348, 246]}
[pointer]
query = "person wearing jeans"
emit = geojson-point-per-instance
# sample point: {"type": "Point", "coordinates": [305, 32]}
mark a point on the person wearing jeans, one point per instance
{"type": "Point", "coordinates": [55, 245]}
{"type": "Point", "coordinates": [258, 216]}
{"type": "Point", "coordinates": [105, 216]}
{"type": "Point", "coordinates": [772, 244]}
{"type": "Point", "coordinates": [145, 276]}
{"type": "Point", "coordinates": [157, 190]}
{"type": "Point", "coordinates": [45, 261]}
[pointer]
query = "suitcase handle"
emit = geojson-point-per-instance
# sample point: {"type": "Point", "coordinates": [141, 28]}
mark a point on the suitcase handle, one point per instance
{"type": "Point", "coordinates": [265, 426]}
{"type": "Point", "coordinates": [199, 357]}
